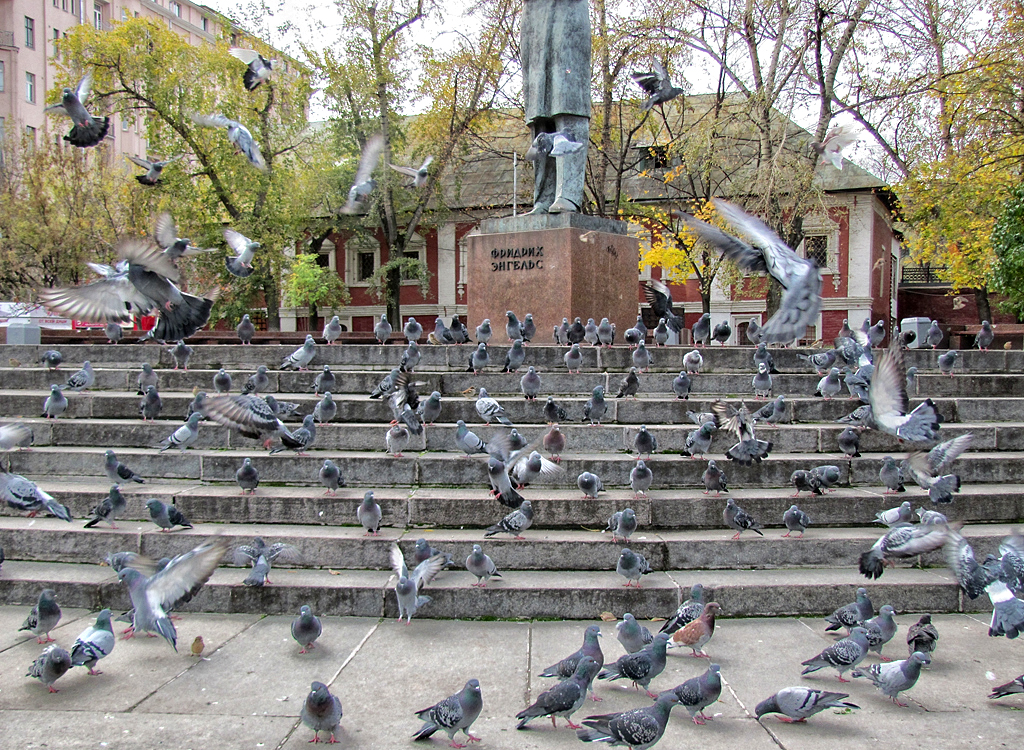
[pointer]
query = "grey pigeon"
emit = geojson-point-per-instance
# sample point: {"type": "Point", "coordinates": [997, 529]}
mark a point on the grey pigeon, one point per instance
{"type": "Point", "coordinates": [901, 541]}
{"type": "Point", "coordinates": [43, 618]}
{"type": "Point", "coordinates": [903, 514]}
{"type": "Point", "coordinates": [906, 338]}
{"type": "Point", "coordinates": [52, 664]}
{"type": "Point", "coordinates": [849, 442]}
{"type": "Point", "coordinates": [15, 435]}
{"type": "Point", "coordinates": [321, 711]}
{"type": "Point", "coordinates": [762, 382]}
{"type": "Point", "coordinates": [83, 379]}
{"type": "Point", "coordinates": [644, 443]}
{"type": "Point", "coordinates": [829, 386]}
{"type": "Point", "coordinates": [922, 636]}
{"type": "Point", "coordinates": [247, 477]}
{"type": "Point", "coordinates": [773, 413]}
{"type": "Point", "coordinates": [697, 693]}
{"type": "Point", "coordinates": [325, 409]}
{"type": "Point", "coordinates": [853, 614]}
{"type": "Point", "coordinates": [591, 648]}
{"type": "Point", "coordinates": [396, 439]}
{"type": "Point", "coordinates": [657, 85]}
{"type": "Point", "coordinates": [86, 130]}
{"type": "Point", "coordinates": [930, 516]}
{"type": "Point", "coordinates": [565, 698]}
{"type": "Point", "coordinates": [468, 441]}
{"type": "Point", "coordinates": [737, 518]}
{"type": "Point", "coordinates": [151, 404]}
{"type": "Point", "coordinates": [95, 642]}
{"type": "Point", "coordinates": [701, 330]}
{"type": "Point", "coordinates": [489, 409]}
{"type": "Point", "coordinates": [859, 383]}
{"type": "Point", "coordinates": [722, 332]}
{"type": "Point", "coordinates": [876, 334]}
{"type": "Point", "coordinates": [260, 556]}
{"type": "Point", "coordinates": [408, 585]}
{"type": "Point", "coordinates": [109, 508]}
{"type": "Point", "coordinates": [881, 629]}
{"type": "Point", "coordinates": [258, 381]}
{"type": "Point", "coordinates": [455, 713]}
{"type": "Point", "coordinates": [176, 583]}
{"type": "Point", "coordinates": [985, 336]}
{"type": "Point", "coordinates": [479, 359]}
{"type": "Point", "coordinates": [934, 335]}
{"type": "Point", "coordinates": [330, 477]}
{"type": "Point", "coordinates": [605, 333]}
{"type": "Point", "coordinates": [117, 472]}
{"type": "Point", "coordinates": [798, 704]}
{"type": "Point", "coordinates": [859, 417]}
{"type": "Point", "coordinates": [629, 385]}
{"type": "Point", "coordinates": [484, 332]}
{"type": "Point", "coordinates": [369, 514]}
{"type": "Point", "coordinates": [515, 522]}
{"type": "Point", "coordinates": [842, 655]}
{"type": "Point", "coordinates": [693, 362]}
{"type": "Point", "coordinates": [529, 384]}
{"type": "Point", "coordinates": [681, 386]}
{"type": "Point", "coordinates": [430, 409]}
{"type": "Point", "coordinates": [301, 357]}
{"type": "Point", "coordinates": [184, 436]}
{"type": "Point", "coordinates": [419, 175]}
{"type": "Point", "coordinates": [795, 520]}
{"type": "Point", "coordinates": [1007, 611]}
{"type": "Point", "coordinates": [300, 439]}
{"type": "Point", "coordinates": [622, 524]}
{"type": "Point", "coordinates": [641, 667]}
{"type": "Point", "coordinates": [714, 479]}
{"type": "Point", "coordinates": [240, 264]}
{"type": "Point", "coordinates": [553, 412]}
{"type": "Point", "coordinates": [324, 381]}
{"type": "Point", "coordinates": [423, 551]}
{"type": "Point", "coordinates": [410, 357]}
{"type": "Point", "coordinates": [166, 516]}
{"type": "Point", "coordinates": [1010, 688]}
{"type": "Point", "coordinates": [595, 407]}
{"type": "Point", "coordinates": [554, 144]}
{"type": "Point", "coordinates": [148, 377]}
{"type": "Point", "coordinates": [51, 358]}
{"type": "Point", "coordinates": [805, 481]}
{"type": "Point", "coordinates": [698, 442]}
{"type": "Point", "coordinates": [413, 330]}
{"type": "Point", "coordinates": [382, 330]}
{"type": "Point", "coordinates": [632, 566]}
{"type": "Point", "coordinates": [748, 449]}
{"type": "Point", "coordinates": [642, 359]}
{"type": "Point", "coordinates": [573, 359]}
{"type": "Point", "coordinates": [182, 353]}
{"type": "Point", "coordinates": [154, 169]}
{"type": "Point", "coordinates": [222, 381]}
{"type": "Point", "coordinates": [639, 728]}
{"type": "Point", "coordinates": [947, 362]}
{"type": "Point", "coordinates": [589, 484]}
{"type": "Point", "coordinates": [661, 333]}
{"type": "Point", "coordinates": [687, 612]}
{"type": "Point", "coordinates": [821, 362]}
{"type": "Point", "coordinates": [761, 354]}
{"type": "Point", "coordinates": [891, 478]}
{"type": "Point", "coordinates": [501, 485]}
{"type": "Point", "coordinates": [238, 135]}
{"type": "Point", "coordinates": [332, 330]}
{"type": "Point", "coordinates": [246, 330]}
{"type": "Point", "coordinates": [659, 297]}
{"type": "Point", "coordinates": [55, 404]}
{"type": "Point", "coordinates": [513, 328]}
{"type": "Point", "coordinates": [529, 328]}
{"type": "Point", "coordinates": [640, 479]}
{"type": "Point", "coordinates": [912, 382]}
{"type": "Point", "coordinates": [515, 356]}
{"type": "Point", "coordinates": [306, 628]}
{"type": "Point", "coordinates": [632, 635]}
{"type": "Point", "coordinates": [482, 566]}
{"type": "Point", "coordinates": [24, 496]}
{"type": "Point", "coordinates": [892, 679]}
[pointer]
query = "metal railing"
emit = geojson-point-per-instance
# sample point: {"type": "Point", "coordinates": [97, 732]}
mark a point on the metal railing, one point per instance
{"type": "Point", "coordinates": [6, 38]}
{"type": "Point", "coordinates": [923, 275]}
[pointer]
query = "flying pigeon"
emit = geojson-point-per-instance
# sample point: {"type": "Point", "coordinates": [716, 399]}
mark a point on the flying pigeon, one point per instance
{"type": "Point", "coordinates": [363, 182]}
{"type": "Point", "coordinates": [238, 135]}
{"type": "Point", "coordinates": [241, 264]}
{"type": "Point", "coordinates": [831, 147]}
{"type": "Point", "coordinates": [154, 169]}
{"type": "Point", "coordinates": [87, 130]}
{"type": "Point", "coordinates": [555, 144]}
{"type": "Point", "coordinates": [657, 85]}
{"type": "Point", "coordinates": [419, 176]}
{"type": "Point", "coordinates": [258, 68]}
{"type": "Point", "coordinates": [659, 297]}
{"type": "Point", "coordinates": [902, 540]}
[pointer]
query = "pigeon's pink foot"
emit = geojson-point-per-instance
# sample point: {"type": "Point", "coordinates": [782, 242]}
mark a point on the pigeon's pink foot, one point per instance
{"type": "Point", "coordinates": [841, 679]}
{"type": "Point", "coordinates": [650, 694]}
{"type": "Point", "coordinates": [596, 698]}
{"type": "Point", "coordinates": [885, 658]}
{"type": "Point", "coordinates": [787, 720]}
{"type": "Point", "coordinates": [52, 689]}
{"type": "Point", "coordinates": [316, 738]}
{"type": "Point", "coordinates": [785, 535]}
{"type": "Point", "coordinates": [736, 535]}
{"type": "Point", "coordinates": [95, 671]}
{"type": "Point", "coordinates": [332, 741]}
{"type": "Point", "coordinates": [900, 703]}
{"type": "Point", "coordinates": [569, 723]}
{"type": "Point", "coordinates": [472, 738]}
{"type": "Point", "coordinates": [696, 720]}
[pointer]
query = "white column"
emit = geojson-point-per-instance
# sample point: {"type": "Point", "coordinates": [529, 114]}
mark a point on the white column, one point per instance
{"type": "Point", "coordinates": [446, 266]}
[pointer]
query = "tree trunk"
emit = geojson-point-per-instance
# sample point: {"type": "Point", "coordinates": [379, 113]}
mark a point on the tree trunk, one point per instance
{"type": "Point", "coordinates": [394, 304]}
{"type": "Point", "coordinates": [774, 298]}
{"type": "Point", "coordinates": [270, 296]}
{"type": "Point", "coordinates": [981, 300]}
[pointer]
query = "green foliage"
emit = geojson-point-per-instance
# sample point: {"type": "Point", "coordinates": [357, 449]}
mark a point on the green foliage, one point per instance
{"type": "Point", "coordinates": [407, 269]}
{"type": "Point", "coordinates": [1008, 245]}
{"type": "Point", "coordinates": [309, 283]}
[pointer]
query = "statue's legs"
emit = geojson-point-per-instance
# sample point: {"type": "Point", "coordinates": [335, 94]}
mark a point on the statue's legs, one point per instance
{"type": "Point", "coordinates": [544, 170]}
{"type": "Point", "coordinates": [571, 169]}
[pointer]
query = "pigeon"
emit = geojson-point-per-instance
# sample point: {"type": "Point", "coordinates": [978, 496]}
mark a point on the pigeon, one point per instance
{"type": "Point", "coordinates": [641, 667]}
{"type": "Point", "coordinates": [644, 443]}
{"type": "Point", "coordinates": [565, 698]}
{"type": "Point", "coordinates": [687, 612]}
{"type": "Point", "coordinates": [408, 585]}
{"type": "Point", "coordinates": [419, 175]}
{"type": "Point", "coordinates": [553, 412]}
{"type": "Point", "coordinates": [849, 442]}
{"type": "Point", "coordinates": [24, 496]}
{"type": "Point", "coordinates": [513, 328]}
{"type": "Point", "coordinates": [83, 379]}
{"type": "Point", "coordinates": [515, 522]}
{"type": "Point", "coordinates": [55, 404]}
{"type": "Point", "coordinates": [714, 479]}
{"type": "Point", "coordinates": [906, 338]}
{"type": "Point", "coordinates": [722, 332]}
{"type": "Point", "coordinates": [325, 409]}
{"type": "Point", "coordinates": [566, 668]}
{"type": "Point", "coordinates": [52, 359]}
{"type": "Point", "coordinates": [639, 728]}
{"type": "Point", "coordinates": [595, 407]}
{"type": "Point", "coordinates": [892, 479]}
{"type": "Point", "coordinates": [260, 556]}
{"type": "Point", "coordinates": [117, 472]}
{"type": "Point", "coordinates": [773, 413]}
{"type": "Point", "coordinates": [528, 328]}
{"type": "Point", "coordinates": [458, 331]}
{"type": "Point", "coordinates": [930, 516]}
{"type": "Point", "coordinates": [15, 435]}
{"type": "Point", "coordinates": [182, 353]}
{"type": "Point", "coordinates": [330, 477]}
{"type": "Point", "coordinates": [681, 386]}
{"type": "Point", "coordinates": [257, 70]}
{"type": "Point", "coordinates": [892, 679]}
{"type": "Point", "coordinates": [622, 524]}
{"type": "Point", "coordinates": [555, 144]}
{"type": "Point", "coordinates": [829, 386]}
{"type": "Point", "coordinates": [53, 663]}
{"type": "Point", "coordinates": [661, 333]}
{"type": "Point", "coordinates": [659, 297]}
{"type": "Point", "coordinates": [842, 655]}
{"type": "Point", "coordinates": [701, 330]}
{"type": "Point", "coordinates": [300, 439]}
{"type": "Point", "coordinates": [554, 442]}
{"type": "Point", "coordinates": [1007, 611]}
{"type": "Point", "coordinates": [369, 514]}
{"type": "Point", "coordinates": [693, 362]}
{"type": "Point", "coordinates": [238, 135]}
{"type": "Point", "coordinates": [698, 442]}
{"type": "Point", "coordinates": [697, 693]}
{"type": "Point", "coordinates": [922, 636]}
{"type": "Point", "coordinates": [184, 436]}
{"type": "Point", "coordinates": [306, 628]}
{"type": "Point", "coordinates": [250, 415]}
{"type": "Point", "coordinates": [590, 484]}
{"type": "Point", "coordinates": [795, 520]}
{"type": "Point", "coordinates": [455, 713]}
{"type": "Point", "coordinates": [467, 441]}
{"type": "Point", "coordinates": [529, 384]}
{"type": "Point", "coordinates": [902, 540]}
{"type": "Point", "coordinates": [151, 405]}
{"type": "Point", "coordinates": [301, 357]}
{"type": "Point", "coordinates": [632, 635]}
{"type": "Point", "coordinates": [43, 618]}
{"type": "Point", "coordinates": [805, 481]}
{"type": "Point", "coordinates": [876, 334]}
{"type": "Point", "coordinates": [605, 333]}
{"type": "Point", "coordinates": [324, 381]}
{"type": "Point", "coordinates": [629, 385]}
{"type": "Point", "coordinates": [695, 634]}
{"type": "Point", "coordinates": [934, 335]}
{"type": "Point", "coordinates": [413, 330]}
{"type": "Point", "coordinates": [761, 354]}
{"type": "Point", "coordinates": [166, 516]}
{"type": "Point", "coordinates": [246, 330]}
{"type": "Point", "coordinates": [113, 332]}
{"type": "Point", "coordinates": [881, 629]}
{"type": "Point", "coordinates": [382, 330]}
{"type": "Point", "coordinates": [748, 450]}
{"type": "Point", "coordinates": [575, 332]}
{"type": "Point", "coordinates": [321, 711]}
{"type": "Point", "coordinates": [241, 264]}
{"type": "Point", "coordinates": [95, 642]}
{"type": "Point", "coordinates": [632, 566]}
{"type": "Point", "coordinates": [87, 130]}
{"type": "Point", "coordinates": [798, 704]}
{"type": "Point", "coordinates": [640, 479]}
{"type": "Point", "coordinates": [927, 468]}
{"type": "Point", "coordinates": [573, 359]}
{"type": "Point", "coordinates": [762, 382]}
{"type": "Point", "coordinates": [195, 406]}
{"type": "Point", "coordinates": [410, 357]}
{"type": "Point", "coordinates": [737, 518]}
{"type": "Point", "coordinates": [903, 514]}
{"type": "Point", "coordinates": [396, 439]}
{"type": "Point", "coordinates": [983, 340]}
{"type": "Point", "coordinates": [658, 87]}
{"type": "Point", "coordinates": [501, 485]}
{"type": "Point", "coordinates": [800, 277]}
{"type": "Point", "coordinates": [489, 409]}
{"type": "Point", "coordinates": [642, 359]}
{"type": "Point", "coordinates": [947, 362]}
{"type": "Point", "coordinates": [853, 614]}
{"type": "Point", "coordinates": [1010, 688]}
{"type": "Point", "coordinates": [831, 147]}
{"type": "Point", "coordinates": [484, 332]}
{"type": "Point", "coordinates": [109, 509]}
{"type": "Point", "coordinates": [247, 477]}
{"type": "Point", "coordinates": [179, 581]}
{"type": "Point", "coordinates": [479, 359]}
{"type": "Point", "coordinates": [424, 551]}
{"type": "Point", "coordinates": [154, 169]}
{"type": "Point", "coordinates": [821, 362]}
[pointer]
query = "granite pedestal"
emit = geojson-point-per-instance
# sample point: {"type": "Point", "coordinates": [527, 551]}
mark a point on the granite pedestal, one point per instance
{"type": "Point", "coordinates": [554, 266]}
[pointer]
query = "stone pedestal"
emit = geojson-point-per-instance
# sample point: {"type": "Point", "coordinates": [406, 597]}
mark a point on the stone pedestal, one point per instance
{"type": "Point", "coordinates": [554, 266]}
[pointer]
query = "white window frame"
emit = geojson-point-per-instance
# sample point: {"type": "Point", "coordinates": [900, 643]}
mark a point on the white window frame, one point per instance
{"type": "Point", "coordinates": [354, 246]}
{"type": "Point", "coordinates": [418, 244]}
{"type": "Point", "coordinates": [30, 33]}
{"type": "Point", "coordinates": [3, 76]}
{"type": "Point", "coordinates": [816, 226]}
{"type": "Point", "coordinates": [30, 87]}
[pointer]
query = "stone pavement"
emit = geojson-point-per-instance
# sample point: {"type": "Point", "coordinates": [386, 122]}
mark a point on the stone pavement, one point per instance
{"type": "Point", "coordinates": [249, 691]}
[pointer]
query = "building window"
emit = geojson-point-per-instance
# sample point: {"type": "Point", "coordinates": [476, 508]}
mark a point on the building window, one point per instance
{"type": "Point", "coordinates": [175, 8]}
{"type": "Point", "coordinates": [64, 4]}
{"type": "Point", "coordinates": [816, 249]}
{"type": "Point", "coordinates": [365, 266]}
{"type": "Point", "coordinates": [56, 38]}
{"type": "Point", "coordinates": [653, 157]}
{"type": "Point", "coordinates": [97, 16]}
{"type": "Point", "coordinates": [2, 75]}
{"type": "Point", "coordinates": [30, 88]}
{"type": "Point", "coordinates": [30, 132]}
{"type": "Point", "coordinates": [124, 14]}
{"type": "Point", "coordinates": [124, 123]}
{"type": "Point", "coordinates": [30, 32]}
{"type": "Point", "coordinates": [206, 24]}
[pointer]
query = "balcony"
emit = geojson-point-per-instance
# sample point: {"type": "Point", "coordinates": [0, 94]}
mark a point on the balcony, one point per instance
{"type": "Point", "coordinates": [6, 38]}
{"type": "Point", "coordinates": [923, 276]}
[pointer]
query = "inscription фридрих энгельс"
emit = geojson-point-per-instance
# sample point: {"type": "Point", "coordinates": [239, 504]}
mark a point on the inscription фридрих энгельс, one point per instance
{"type": "Point", "coordinates": [517, 259]}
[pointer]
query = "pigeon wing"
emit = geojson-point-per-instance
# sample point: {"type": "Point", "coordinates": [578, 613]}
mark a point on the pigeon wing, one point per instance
{"type": "Point", "coordinates": [184, 576]}
{"type": "Point", "coordinates": [247, 56]}
{"type": "Point", "coordinates": [888, 393]}
{"type": "Point", "coordinates": [370, 157]}
{"type": "Point", "coordinates": [236, 241]}
{"type": "Point", "coordinates": [104, 301]}
{"type": "Point", "coordinates": [150, 256]}
{"type": "Point", "coordinates": [83, 88]}
{"type": "Point", "coordinates": [139, 162]}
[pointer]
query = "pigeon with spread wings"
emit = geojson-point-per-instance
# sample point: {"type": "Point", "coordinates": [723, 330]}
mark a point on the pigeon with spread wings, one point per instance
{"type": "Point", "coordinates": [748, 449]}
{"type": "Point", "coordinates": [363, 184]}
{"type": "Point", "coordinates": [241, 264]}
{"type": "Point", "coordinates": [659, 298]}
{"type": "Point", "coordinates": [154, 169]}
{"type": "Point", "coordinates": [419, 176]}
{"type": "Point", "coordinates": [658, 86]}
{"type": "Point", "coordinates": [87, 130]}
{"type": "Point", "coordinates": [238, 135]}
{"type": "Point", "coordinates": [258, 67]}
{"type": "Point", "coordinates": [890, 403]}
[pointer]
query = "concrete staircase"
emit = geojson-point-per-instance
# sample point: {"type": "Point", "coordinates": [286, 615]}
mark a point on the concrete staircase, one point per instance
{"type": "Point", "coordinates": [565, 568]}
